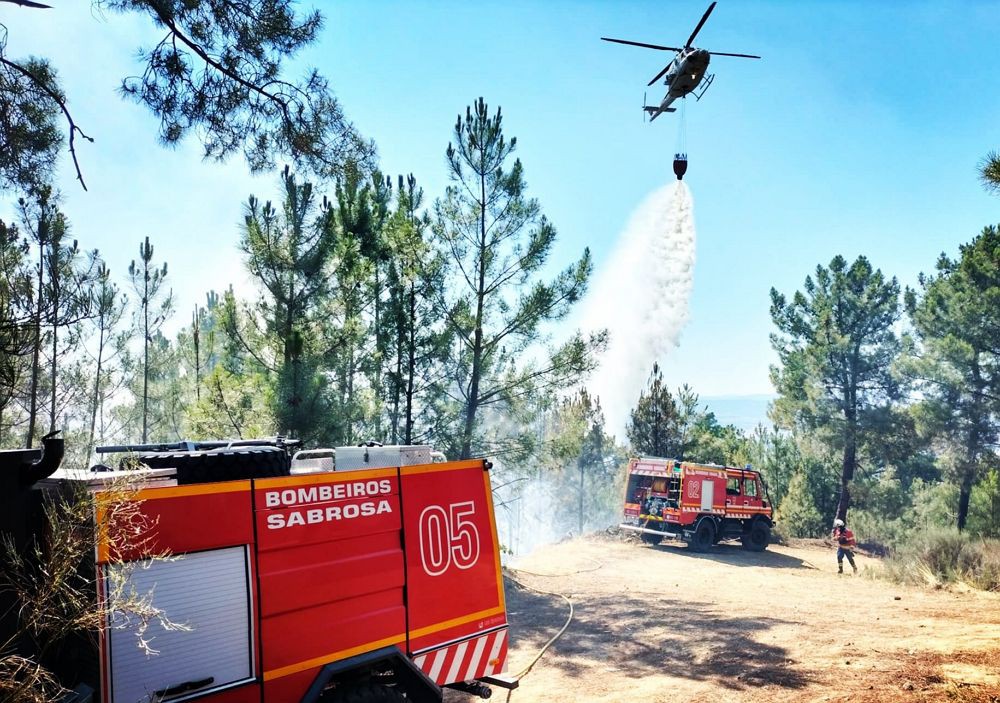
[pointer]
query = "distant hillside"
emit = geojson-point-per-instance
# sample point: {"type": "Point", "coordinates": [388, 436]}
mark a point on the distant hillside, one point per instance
{"type": "Point", "coordinates": [744, 411]}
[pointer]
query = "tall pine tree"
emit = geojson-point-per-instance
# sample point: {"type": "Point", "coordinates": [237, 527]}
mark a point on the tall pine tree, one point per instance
{"type": "Point", "coordinates": [836, 343]}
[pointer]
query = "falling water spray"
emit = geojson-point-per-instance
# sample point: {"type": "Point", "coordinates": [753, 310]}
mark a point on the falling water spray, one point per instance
{"type": "Point", "coordinates": [641, 297]}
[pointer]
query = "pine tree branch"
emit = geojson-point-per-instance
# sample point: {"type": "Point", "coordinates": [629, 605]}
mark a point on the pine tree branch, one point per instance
{"type": "Point", "coordinates": [47, 89]}
{"type": "Point", "coordinates": [261, 90]}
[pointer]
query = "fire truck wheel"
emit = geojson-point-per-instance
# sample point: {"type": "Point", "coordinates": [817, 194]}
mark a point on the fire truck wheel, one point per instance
{"type": "Point", "coordinates": [704, 536]}
{"type": "Point", "coordinates": [367, 693]}
{"type": "Point", "coordinates": [233, 464]}
{"type": "Point", "coordinates": [757, 539]}
{"type": "Point", "coordinates": [651, 539]}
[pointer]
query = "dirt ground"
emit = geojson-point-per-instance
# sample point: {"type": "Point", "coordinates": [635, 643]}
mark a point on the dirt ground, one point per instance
{"type": "Point", "coordinates": [667, 624]}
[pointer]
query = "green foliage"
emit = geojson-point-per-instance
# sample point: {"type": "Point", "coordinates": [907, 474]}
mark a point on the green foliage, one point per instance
{"type": "Point", "coordinates": [836, 344]}
{"type": "Point", "coordinates": [496, 242]}
{"type": "Point", "coordinates": [660, 425]}
{"type": "Point", "coordinates": [154, 307]}
{"type": "Point", "coordinates": [989, 172]}
{"type": "Point", "coordinates": [16, 305]}
{"type": "Point", "coordinates": [289, 250]}
{"type": "Point", "coordinates": [29, 134]}
{"type": "Point", "coordinates": [957, 317]}
{"type": "Point", "coordinates": [654, 427]}
{"type": "Point", "coordinates": [984, 507]}
{"type": "Point", "coordinates": [218, 71]}
{"type": "Point", "coordinates": [797, 513]}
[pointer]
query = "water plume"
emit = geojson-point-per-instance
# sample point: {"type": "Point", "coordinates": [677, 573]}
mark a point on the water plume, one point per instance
{"type": "Point", "coordinates": [641, 297]}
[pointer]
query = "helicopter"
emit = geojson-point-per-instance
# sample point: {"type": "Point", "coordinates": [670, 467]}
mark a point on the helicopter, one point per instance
{"type": "Point", "coordinates": [685, 72]}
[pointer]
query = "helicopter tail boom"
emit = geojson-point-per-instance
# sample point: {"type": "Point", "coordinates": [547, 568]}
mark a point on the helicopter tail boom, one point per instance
{"type": "Point", "coordinates": [655, 111]}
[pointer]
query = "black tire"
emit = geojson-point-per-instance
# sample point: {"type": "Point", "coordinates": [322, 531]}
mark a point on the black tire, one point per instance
{"type": "Point", "coordinates": [365, 693]}
{"type": "Point", "coordinates": [704, 536]}
{"type": "Point", "coordinates": [757, 539]}
{"type": "Point", "coordinates": [233, 464]}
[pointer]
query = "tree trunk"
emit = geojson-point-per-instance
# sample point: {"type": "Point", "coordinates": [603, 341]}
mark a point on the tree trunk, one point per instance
{"type": "Point", "coordinates": [145, 353]}
{"type": "Point", "coordinates": [411, 364]}
{"type": "Point", "coordinates": [54, 278]}
{"type": "Point", "coordinates": [196, 333]}
{"type": "Point", "coordinates": [979, 414]}
{"type": "Point", "coordinates": [579, 512]}
{"type": "Point", "coordinates": [477, 345]}
{"type": "Point", "coordinates": [850, 461]}
{"type": "Point", "coordinates": [36, 347]}
{"type": "Point", "coordinates": [964, 493]}
{"type": "Point", "coordinates": [97, 390]}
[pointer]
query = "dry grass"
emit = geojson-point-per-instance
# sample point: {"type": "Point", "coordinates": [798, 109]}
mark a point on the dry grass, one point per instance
{"type": "Point", "coordinates": [961, 677]}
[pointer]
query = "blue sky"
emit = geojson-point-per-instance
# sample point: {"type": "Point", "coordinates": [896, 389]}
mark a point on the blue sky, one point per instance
{"type": "Point", "coordinates": [859, 132]}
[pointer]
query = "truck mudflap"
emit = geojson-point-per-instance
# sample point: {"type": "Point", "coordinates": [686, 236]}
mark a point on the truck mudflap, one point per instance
{"type": "Point", "coordinates": [467, 660]}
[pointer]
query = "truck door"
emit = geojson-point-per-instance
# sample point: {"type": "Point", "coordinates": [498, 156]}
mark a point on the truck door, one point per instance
{"type": "Point", "coordinates": [456, 616]}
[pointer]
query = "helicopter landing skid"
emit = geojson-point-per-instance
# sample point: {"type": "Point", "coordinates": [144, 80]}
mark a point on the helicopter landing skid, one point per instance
{"type": "Point", "coordinates": [708, 81]}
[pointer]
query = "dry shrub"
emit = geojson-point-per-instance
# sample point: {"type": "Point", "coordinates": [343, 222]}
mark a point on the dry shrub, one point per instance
{"type": "Point", "coordinates": [944, 556]}
{"type": "Point", "coordinates": [54, 583]}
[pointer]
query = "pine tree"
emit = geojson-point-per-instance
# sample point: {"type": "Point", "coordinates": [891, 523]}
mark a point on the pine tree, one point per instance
{"type": "Point", "coordinates": [797, 511]}
{"type": "Point", "coordinates": [654, 427]}
{"type": "Point", "coordinates": [957, 317]}
{"type": "Point", "coordinates": [836, 344]}
{"type": "Point", "coordinates": [496, 241]}
{"type": "Point", "coordinates": [109, 309]}
{"type": "Point", "coordinates": [289, 249]}
{"type": "Point", "coordinates": [419, 341]}
{"type": "Point", "coordinates": [584, 459]}
{"type": "Point", "coordinates": [154, 306]}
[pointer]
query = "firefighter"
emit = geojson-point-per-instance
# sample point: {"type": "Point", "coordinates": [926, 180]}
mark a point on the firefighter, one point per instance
{"type": "Point", "coordinates": [845, 545]}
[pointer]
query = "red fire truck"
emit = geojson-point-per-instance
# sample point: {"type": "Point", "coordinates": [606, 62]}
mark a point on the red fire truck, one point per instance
{"type": "Point", "coordinates": [701, 504]}
{"type": "Point", "coordinates": [376, 580]}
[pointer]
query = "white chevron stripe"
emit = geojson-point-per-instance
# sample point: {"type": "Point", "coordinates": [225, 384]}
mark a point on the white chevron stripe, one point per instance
{"type": "Point", "coordinates": [456, 664]}
{"type": "Point", "coordinates": [419, 661]}
{"type": "Point", "coordinates": [477, 654]}
{"type": "Point", "coordinates": [439, 658]}
{"type": "Point", "coordinates": [495, 652]}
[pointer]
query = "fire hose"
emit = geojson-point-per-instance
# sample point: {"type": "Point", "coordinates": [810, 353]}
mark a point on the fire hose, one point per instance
{"type": "Point", "coordinates": [541, 652]}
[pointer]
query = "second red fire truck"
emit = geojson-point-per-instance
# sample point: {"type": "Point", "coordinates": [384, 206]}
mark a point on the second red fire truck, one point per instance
{"type": "Point", "coordinates": [701, 504]}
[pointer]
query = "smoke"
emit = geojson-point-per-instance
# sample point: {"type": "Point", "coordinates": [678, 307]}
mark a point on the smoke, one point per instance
{"type": "Point", "coordinates": [641, 297]}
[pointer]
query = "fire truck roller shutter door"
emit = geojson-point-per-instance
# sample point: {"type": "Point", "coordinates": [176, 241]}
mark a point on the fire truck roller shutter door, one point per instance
{"type": "Point", "coordinates": [707, 494]}
{"type": "Point", "coordinates": [233, 464]}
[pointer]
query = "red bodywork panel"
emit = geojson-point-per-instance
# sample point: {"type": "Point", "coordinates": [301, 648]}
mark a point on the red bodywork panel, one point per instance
{"type": "Point", "coordinates": [343, 563]}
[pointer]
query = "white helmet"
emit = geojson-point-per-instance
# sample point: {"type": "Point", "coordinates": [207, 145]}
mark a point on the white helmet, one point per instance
{"type": "Point", "coordinates": [838, 523]}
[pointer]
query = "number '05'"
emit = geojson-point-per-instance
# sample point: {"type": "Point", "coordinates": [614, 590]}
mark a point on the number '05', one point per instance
{"type": "Point", "coordinates": [448, 537]}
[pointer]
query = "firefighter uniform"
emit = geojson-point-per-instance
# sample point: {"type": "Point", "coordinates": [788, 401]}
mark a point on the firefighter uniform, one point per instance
{"type": "Point", "coordinates": [845, 545]}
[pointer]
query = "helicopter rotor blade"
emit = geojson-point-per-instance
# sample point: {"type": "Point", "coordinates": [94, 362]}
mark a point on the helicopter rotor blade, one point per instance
{"type": "Point", "coordinates": [700, 25]}
{"type": "Point", "coordinates": [659, 75]}
{"type": "Point", "coordinates": [638, 43]}
{"type": "Point", "coordinates": [742, 56]}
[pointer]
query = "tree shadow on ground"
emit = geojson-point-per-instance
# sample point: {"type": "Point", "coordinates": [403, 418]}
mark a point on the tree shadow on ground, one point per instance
{"type": "Point", "coordinates": [735, 555]}
{"type": "Point", "coordinates": [667, 636]}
